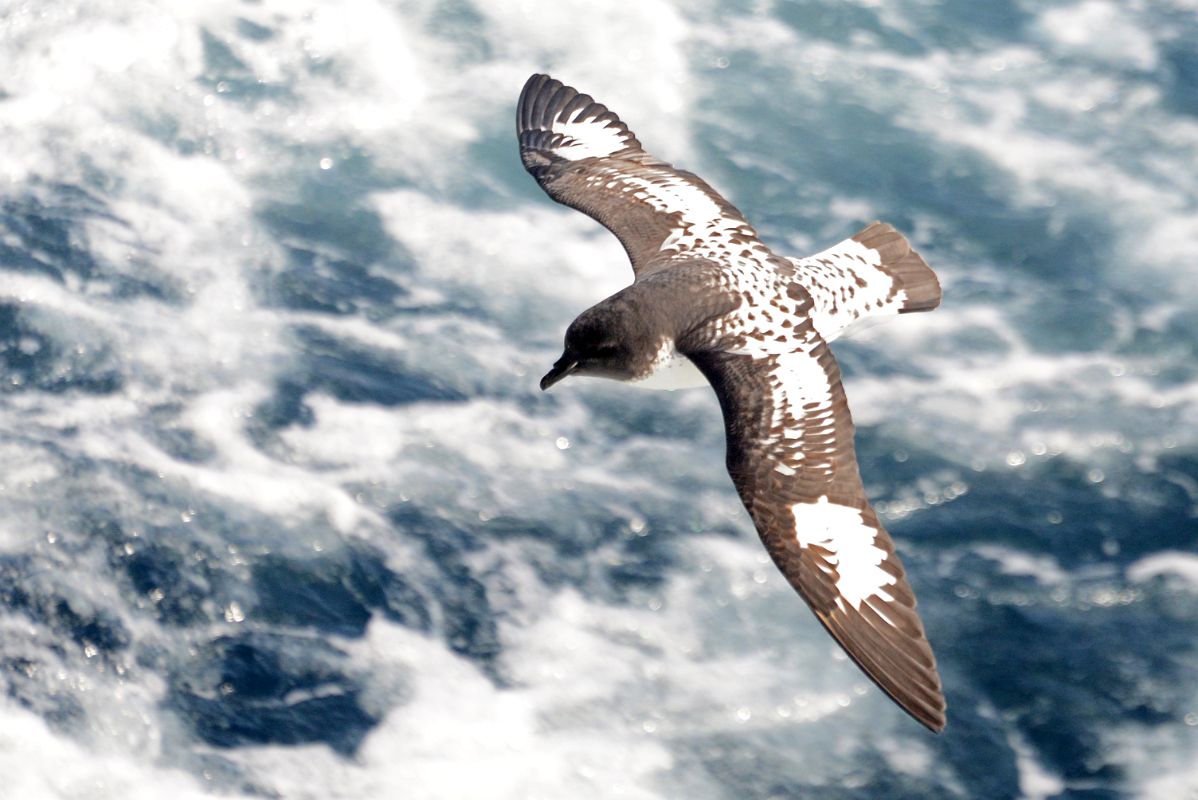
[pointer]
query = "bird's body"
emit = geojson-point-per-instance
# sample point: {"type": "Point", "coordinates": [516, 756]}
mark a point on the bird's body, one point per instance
{"type": "Point", "coordinates": [711, 303]}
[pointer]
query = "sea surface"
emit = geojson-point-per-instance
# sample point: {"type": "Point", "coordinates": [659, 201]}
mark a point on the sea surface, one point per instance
{"type": "Point", "coordinates": [283, 513]}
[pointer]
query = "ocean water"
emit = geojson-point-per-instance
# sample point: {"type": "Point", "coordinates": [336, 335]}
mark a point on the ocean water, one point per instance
{"type": "Point", "coordinates": [284, 515]}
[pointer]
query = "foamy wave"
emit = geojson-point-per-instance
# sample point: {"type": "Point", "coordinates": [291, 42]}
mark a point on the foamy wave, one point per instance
{"type": "Point", "coordinates": [41, 764]}
{"type": "Point", "coordinates": [1181, 565]}
{"type": "Point", "coordinates": [290, 302]}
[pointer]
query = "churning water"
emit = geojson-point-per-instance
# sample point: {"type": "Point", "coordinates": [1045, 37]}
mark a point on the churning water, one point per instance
{"type": "Point", "coordinates": [284, 514]}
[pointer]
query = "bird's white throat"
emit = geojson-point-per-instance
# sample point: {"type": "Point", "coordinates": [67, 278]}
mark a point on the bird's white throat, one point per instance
{"type": "Point", "coordinates": [671, 370]}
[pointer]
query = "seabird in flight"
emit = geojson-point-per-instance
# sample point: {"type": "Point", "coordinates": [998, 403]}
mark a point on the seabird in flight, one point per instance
{"type": "Point", "coordinates": [711, 303]}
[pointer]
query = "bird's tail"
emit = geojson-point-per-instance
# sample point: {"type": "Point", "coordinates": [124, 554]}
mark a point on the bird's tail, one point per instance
{"type": "Point", "coordinates": [871, 275]}
{"type": "Point", "coordinates": [910, 272]}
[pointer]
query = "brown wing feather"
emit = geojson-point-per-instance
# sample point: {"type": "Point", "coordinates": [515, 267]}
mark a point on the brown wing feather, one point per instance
{"type": "Point", "coordinates": [791, 456]}
{"type": "Point", "coordinates": [585, 157]}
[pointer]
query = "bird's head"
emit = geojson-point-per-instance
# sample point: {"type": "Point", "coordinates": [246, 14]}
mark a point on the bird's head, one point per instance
{"type": "Point", "coordinates": [601, 343]}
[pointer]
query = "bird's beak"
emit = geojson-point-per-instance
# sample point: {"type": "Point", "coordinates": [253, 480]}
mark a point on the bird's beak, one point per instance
{"type": "Point", "coordinates": [563, 368]}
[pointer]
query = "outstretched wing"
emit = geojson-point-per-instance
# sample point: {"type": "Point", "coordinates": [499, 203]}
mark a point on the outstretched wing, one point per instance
{"type": "Point", "coordinates": [791, 456]}
{"type": "Point", "coordinates": [585, 157]}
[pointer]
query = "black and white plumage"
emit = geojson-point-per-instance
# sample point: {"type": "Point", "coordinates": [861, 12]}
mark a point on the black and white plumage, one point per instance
{"type": "Point", "coordinates": [708, 294]}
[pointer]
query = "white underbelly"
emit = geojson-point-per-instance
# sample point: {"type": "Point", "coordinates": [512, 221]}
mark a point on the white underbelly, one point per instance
{"type": "Point", "coordinates": [672, 370]}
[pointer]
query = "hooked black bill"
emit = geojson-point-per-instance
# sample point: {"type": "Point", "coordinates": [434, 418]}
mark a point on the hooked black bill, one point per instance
{"type": "Point", "coordinates": [561, 370]}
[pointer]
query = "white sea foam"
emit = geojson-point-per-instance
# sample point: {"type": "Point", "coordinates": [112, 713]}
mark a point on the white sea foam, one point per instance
{"type": "Point", "coordinates": [608, 697]}
{"type": "Point", "coordinates": [39, 763]}
{"type": "Point", "coordinates": [529, 254]}
{"type": "Point", "coordinates": [1181, 565]}
{"type": "Point", "coordinates": [1100, 30]}
{"type": "Point", "coordinates": [457, 735]}
{"type": "Point", "coordinates": [603, 696]}
{"type": "Point", "coordinates": [1013, 562]}
{"type": "Point", "coordinates": [1035, 781]}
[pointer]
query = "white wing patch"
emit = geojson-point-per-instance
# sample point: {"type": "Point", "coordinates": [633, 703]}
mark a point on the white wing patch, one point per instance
{"type": "Point", "coordinates": [701, 219]}
{"type": "Point", "coordinates": [589, 138]}
{"type": "Point", "coordinates": [841, 531]}
{"type": "Point", "coordinates": [583, 155]}
{"type": "Point", "coordinates": [798, 382]}
{"type": "Point", "coordinates": [789, 432]}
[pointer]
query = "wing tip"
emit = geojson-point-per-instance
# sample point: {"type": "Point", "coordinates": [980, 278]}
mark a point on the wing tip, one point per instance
{"type": "Point", "coordinates": [928, 710]}
{"type": "Point", "coordinates": [933, 717]}
{"type": "Point", "coordinates": [547, 108]}
{"type": "Point", "coordinates": [935, 724]}
{"type": "Point", "coordinates": [872, 616]}
{"type": "Point", "coordinates": [923, 700]}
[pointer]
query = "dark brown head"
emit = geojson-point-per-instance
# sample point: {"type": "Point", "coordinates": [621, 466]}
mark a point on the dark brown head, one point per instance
{"type": "Point", "coordinates": [609, 340]}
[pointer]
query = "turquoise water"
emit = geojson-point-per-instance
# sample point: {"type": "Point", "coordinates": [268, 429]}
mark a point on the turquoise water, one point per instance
{"type": "Point", "coordinates": [284, 514]}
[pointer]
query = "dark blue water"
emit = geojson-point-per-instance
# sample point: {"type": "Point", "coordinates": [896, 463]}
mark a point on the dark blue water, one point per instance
{"type": "Point", "coordinates": [284, 514]}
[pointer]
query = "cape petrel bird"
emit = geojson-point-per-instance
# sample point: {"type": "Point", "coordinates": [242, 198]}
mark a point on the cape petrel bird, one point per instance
{"type": "Point", "coordinates": [711, 303]}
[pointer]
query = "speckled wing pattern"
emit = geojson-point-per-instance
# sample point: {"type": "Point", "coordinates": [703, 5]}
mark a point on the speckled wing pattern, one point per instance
{"type": "Point", "coordinates": [585, 157]}
{"type": "Point", "coordinates": [789, 432]}
{"type": "Point", "coordinates": [791, 456]}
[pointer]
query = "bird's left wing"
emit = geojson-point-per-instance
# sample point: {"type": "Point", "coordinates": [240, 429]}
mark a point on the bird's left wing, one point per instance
{"type": "Point", "coordinates": [791, 456]}
{"type": "Point", "coordinates": [585, 157]}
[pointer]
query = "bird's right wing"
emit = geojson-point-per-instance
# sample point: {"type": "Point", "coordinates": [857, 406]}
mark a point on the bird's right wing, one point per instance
{"type": "Point", "coordinates": [585, 157]}
{"type": "Point", "coordinates": [791, 456]}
